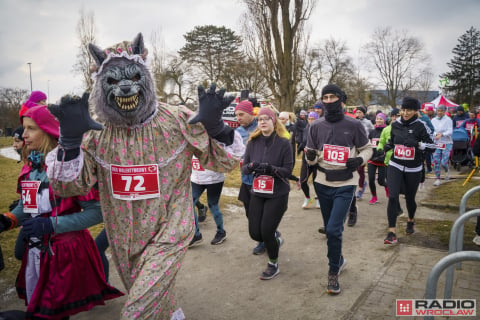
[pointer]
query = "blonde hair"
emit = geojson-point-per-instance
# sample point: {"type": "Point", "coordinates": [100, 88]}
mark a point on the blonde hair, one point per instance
{"type": "Point", "coordinates": [292, 117]}
{"type": "Point", "coordinates": [278, 128]}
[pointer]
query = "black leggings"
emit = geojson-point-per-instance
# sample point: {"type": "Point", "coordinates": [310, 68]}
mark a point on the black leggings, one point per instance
{"type": "Point", "coordinates": [305, 172]}
{"type": "Point", "coordinates": [372, 170]}
{"type": "Point", "coordinates": [396, 179]}
{"type": "Point", "coordinates": [264, 217]}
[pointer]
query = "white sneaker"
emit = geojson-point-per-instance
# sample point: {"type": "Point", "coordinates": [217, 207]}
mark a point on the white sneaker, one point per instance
{"type": "Point", "coordinates": [317, 204]}
{"type": "Point", "coordinates": [476, 240]}
{"type": "Point", "coordinates": [436, 183]}
{"type": "Point", "coordinates": [447, 176]}
{"type": "Point", "coordinates": [306, 203]}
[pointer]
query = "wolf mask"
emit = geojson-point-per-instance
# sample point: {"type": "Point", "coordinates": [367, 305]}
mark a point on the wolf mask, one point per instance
{"type": "Point", "coordinates": [123, 92]}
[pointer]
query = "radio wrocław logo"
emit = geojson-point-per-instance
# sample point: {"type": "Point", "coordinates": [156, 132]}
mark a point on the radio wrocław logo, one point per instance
{"type": "Point", "coordinates": [437, 307]}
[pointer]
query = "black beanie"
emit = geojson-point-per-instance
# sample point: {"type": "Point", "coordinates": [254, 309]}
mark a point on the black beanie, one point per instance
{"type": "Point", "coordinates": [333, 88]}
{"type": "Point", "coordinates": [362, 108]}
{"type": "Point", "coordinates": [410, 103]}
{"type": "Point", "coordinates": [17, 133]}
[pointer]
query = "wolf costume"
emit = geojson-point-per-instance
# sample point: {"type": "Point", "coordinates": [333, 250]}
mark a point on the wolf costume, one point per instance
{"type": "Point", "coordinates": [141, 160]}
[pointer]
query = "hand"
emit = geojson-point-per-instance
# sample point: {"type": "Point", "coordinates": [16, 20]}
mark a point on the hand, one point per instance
{"type": "Point", "coordinates": [210, 110]}
{"type": "Point", "coordinates": [311, 154]}
{"type": "Point", "coordinates": [388, 146]}
{"type": "Point", "coordinates": [75, 120]}
{"type": "Point", "coordinates": [37, 227]}
{"type": "Point", "coordinates": [5, 223]}
{"type": "Point", "coordinates": [265, 168]}
{"type": "Point", "coordinates": [354, 163]}
{"type": "Point", "coordinates": [252, 166]}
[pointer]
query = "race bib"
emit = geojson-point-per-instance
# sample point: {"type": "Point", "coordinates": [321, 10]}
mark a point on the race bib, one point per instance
{"type": "Point", "coordinates": [402, 152]}
{"type": "Point", "coordinates": [459, 123]}
{"type": "Point", "coordinates": [29, 196]}
{"type": "Point", "coordinates": [263, 184]}
{"type": "Point", "coordinates": [335, 155]}
{"type": "Point", "coordinates": [196, 165]}
{"type": "Point", "coordinates": [469, 126]}
{"type": "Point", "coordinates": [441, 146]}
{"type": "Point", "coordinates": [374, 142]}
{"type": "Point", "coordinates": [135, 182]}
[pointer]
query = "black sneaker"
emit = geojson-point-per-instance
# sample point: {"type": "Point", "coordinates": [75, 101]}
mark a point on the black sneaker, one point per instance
{"type": "Point", "coordinates": [410, 227]}
{"type": "Point", "coordinates": [271, 271]}
{"type": "Point", "coordinates": [343, 264]}
{"type": "Point", "coordinates": [399, 212]}
{"type": "Point", "coordinates": [220, 236]}
{"type": "Point", "coordinates": [391, 238]}
{"type": "Point", "coordinates": [352, 218]}
{"type": "Point", "coordinates": [196, 240]}
{"type": "Point", "coordinates": [333, 286]}
{"type": "Point", "coordinates": [259, 249]}
{"type": "Point", "coordinates": [321, 230]}
{"type": "Point", "coordinates": [202, 213]}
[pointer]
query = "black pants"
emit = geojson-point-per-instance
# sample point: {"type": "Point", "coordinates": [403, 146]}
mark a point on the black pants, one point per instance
{"type": "Point", "coordinates": [244, 196]}
{"type": "Point", "coordinates": [305, 172]}
{"type": "Point", "coordinates": [372, 171]}
{"type": "Point", "coordinates": [264, 217]}
{"type": "Point", "coordinates": [396, 179]}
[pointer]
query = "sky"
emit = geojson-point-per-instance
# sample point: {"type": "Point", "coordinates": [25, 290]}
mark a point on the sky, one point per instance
{"type": "Point", "coordinates": [43, 32]}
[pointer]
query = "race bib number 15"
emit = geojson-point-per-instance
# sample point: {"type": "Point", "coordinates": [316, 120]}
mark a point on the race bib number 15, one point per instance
{"type": "Point", "coordinates": [135, 182]}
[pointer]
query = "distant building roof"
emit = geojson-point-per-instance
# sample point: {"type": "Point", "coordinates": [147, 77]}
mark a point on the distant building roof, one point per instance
{"type": "Point", "coordinates": [379, 97]}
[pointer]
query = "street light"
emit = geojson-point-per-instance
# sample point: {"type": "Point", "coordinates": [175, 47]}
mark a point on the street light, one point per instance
{"type": "Point", "coordinates": [48, 90]}
{"type": "Point", "coordinates": [30, 67]}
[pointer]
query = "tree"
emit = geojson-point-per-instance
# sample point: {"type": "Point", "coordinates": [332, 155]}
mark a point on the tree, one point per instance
{"type": "Point", "coordinates": [398, 59]}
{"type": "Point", "coordinates": [86, 30]}
{"type": "Point", "coordinates": [464, 74]}
{"type": "Point", "coordinates": [178, 86]}
{"type": "Point", "coordinates": [279, 27]}
{"type": "Point", "coordinates": [11, 100]}
{"type": "Point", "coordinates": [312, 76]}
{"type": "Point", "coordinates": [158, 66]}
{"type": "Point", "coordinates": [212, 50]}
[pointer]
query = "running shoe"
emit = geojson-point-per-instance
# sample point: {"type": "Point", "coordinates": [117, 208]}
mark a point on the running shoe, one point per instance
{"type": "Point", "coordinates": [259, 249]}
{"type": "Point", "coordinates": [437, 182]}
{"type": "Point", "coordinates": [476, 240]}
{"type": "Point", "coordinates": [391, 238]}
{"type": "Point", "coordinates": [220, 236]}
{"type": "Point", "coordinates": [373, 200]}
{"type": "Point", "coordinates": [271, 271]}
{"type": "Point", "coordinates": [362, 190]}
{"type": "Point", "coordinates": [447, 176]}
{"type": "Point", "coordinates": [333, 286]}
{"type": "Point", "coordinates": [352, 218]}
{"type": "Point", "coordinates": [410, 227]}
{"type": "Point", "coordinates": [317, 204]}
{"type": "Point", "coordinates": [343, 264]}
{"type": "Point", "coordinates": [307, 203]}
{"type": "Point", "coordinates": [197, 239]}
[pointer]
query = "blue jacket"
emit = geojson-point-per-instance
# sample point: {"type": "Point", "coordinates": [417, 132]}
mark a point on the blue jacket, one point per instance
{"type": "Point", "coordinates": [245, 133]}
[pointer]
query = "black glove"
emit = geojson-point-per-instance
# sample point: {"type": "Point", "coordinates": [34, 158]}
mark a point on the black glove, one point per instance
{"type": "Point", "coordinates": [265, 168]}
{"type": "Point", "coordinates": [252, 166]}
{"type": "Point", "coordinates": [37, 227]}
{"type": "Point", "coordinates": [5, 223]}
{"type": "Point", "coordinates": [388, 146]}
{"type": "Point", "coordinates": [210, 110]}
{"type": "Point", "coordinates": [311, 154]}
{"type": "Point", "coordinates": [75, 120]}
{"type": "Point", "coordinates": [354, 163]}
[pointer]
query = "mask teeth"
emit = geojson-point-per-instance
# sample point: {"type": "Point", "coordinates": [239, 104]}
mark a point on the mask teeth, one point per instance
{"type": "Point", "coordinates": [127, 103]}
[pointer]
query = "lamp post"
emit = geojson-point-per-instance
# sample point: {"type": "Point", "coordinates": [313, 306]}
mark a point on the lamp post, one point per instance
{"type": "Point", "coordinates": [30, 68]}
{"type": "Point", "coordinates": [48, 90]}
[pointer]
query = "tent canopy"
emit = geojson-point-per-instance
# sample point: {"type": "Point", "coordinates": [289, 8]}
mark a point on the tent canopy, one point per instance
{"type": "Point", "coordinates": [442, 100]}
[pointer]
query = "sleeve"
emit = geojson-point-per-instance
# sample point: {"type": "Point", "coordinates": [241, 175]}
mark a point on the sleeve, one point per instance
{"type": "Point", "coordinates": [311, 144]}
{"type": "Point", "coordinates": [89, 216]}
{"type": "Point", "coordinates": [285, 170]}
{"type": "Point", "coordinates": [246, 159]}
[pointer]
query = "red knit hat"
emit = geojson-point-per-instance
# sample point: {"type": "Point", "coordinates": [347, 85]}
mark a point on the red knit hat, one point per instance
{"type": "Point", "coordinates": [44, 120]}
{"type": "Point", "coordinates": [268, 112]}
{"type": "Point", "coordinates": [245, 106]}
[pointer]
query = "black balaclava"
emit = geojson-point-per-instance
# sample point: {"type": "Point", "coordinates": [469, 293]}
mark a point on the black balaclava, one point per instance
{"type": "Point", "coordinates": [334, 109]}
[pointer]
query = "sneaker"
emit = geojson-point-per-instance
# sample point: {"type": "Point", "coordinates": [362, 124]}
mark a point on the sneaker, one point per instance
{"type": "Point", "coordinates": [202, 214]}
{"type": "Point", "coordinates": [362, 190]}
{"type": "Point", "coordinates": [436, 183]}
{"type": "Point", "coordinates": [280, 241]}
{"type": "Point", "coordinates": [373, 200]}
{"type": "Point", "coordinates": [317, 204]}
{"type": "Point", "coordinates": [196, 240]}
{"type": "Point", "coordinates": [220, 236]}
{"type": "Point", "coordinates": [400, 212]}
{"type": "Point", "coordinates": [259, 249]}
{"type": "Point", "coordinates": [321, 230]}
{"type": "Point", "coordinates": [271, 271]}
{"type": "Point", "coordinates": [343, 264]}
{"type": "Point", "coordinates": [333, 286]}
{"type": "Point", "coordinates": [306, 203]}
{"type": "Point", "coordinates": [410, 227]}
{"type": "Point", "coordinates": [476, 240]}
{"type": "Point", "coordinates": [352, 218]}
{"type": "Point", "coordinates": [391, 238]}
{"type": "Point", "coordinates": [447, 176]}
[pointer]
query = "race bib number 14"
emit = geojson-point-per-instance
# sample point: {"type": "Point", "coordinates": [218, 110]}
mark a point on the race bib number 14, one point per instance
{"type": "Point", "coordinates": [135, 182]}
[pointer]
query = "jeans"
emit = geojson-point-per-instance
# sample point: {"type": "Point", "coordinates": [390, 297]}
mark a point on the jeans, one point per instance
{"type": "Point", "coordinates": [334, 204]}
{"type": "Point", "coordinates": [213, 197]}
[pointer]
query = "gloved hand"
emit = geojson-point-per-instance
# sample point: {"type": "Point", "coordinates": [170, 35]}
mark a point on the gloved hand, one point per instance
{"type": "Point", "coordinates": [5, 223]}
{"type": "Point", "coordinates": [252, 166]}
{"type": "Point", "coordinates": [354, 163]}
{"type": "Point", "coordinates": [75, 120]}
{"type": "Point", "coordinates": [210, 110]}
{"type": "Point", "coordinates": [37, 227]}
{"type": "Point", "coordinates": [311, 154]}
{"type": "Point", "coordinates": [265, 168]}
{"type": "Point", "coordinates": [388, 146]}
{"type": "Point", "coordinates": [410, 142]}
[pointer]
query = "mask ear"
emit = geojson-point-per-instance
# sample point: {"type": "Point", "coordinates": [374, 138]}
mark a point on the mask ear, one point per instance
{"type": "Point", "coordinates": [98, 54]}
{"type": "Point", "coordinates": [137, 45]}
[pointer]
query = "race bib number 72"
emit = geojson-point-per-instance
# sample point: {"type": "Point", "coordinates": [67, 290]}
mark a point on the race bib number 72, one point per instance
{"type": "Point", "coordinates": [135, 182]}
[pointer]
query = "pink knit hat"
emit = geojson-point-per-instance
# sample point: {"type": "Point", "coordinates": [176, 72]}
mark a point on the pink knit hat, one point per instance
{"type": "Point", "coordinates": [44, 119]}
{"type": "Point", "coordinates": [268, 112]}
{"type": "Point", "coordinates": [245, 106]}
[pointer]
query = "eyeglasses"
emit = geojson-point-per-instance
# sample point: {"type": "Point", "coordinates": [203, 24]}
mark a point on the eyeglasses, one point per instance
{"type": "Point", "coordinates": [264, 119]}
